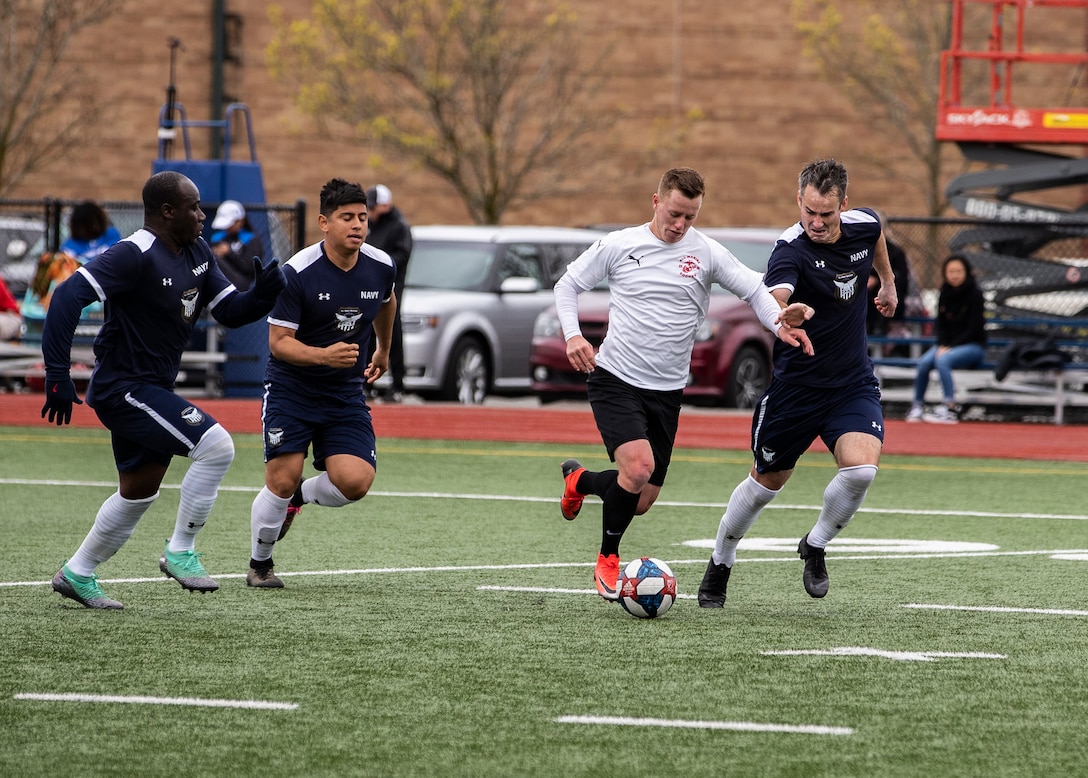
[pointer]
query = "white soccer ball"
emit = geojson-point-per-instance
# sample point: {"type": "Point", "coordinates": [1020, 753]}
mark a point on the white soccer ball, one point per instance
{"type": "Point", "coordinates": [647, 588]}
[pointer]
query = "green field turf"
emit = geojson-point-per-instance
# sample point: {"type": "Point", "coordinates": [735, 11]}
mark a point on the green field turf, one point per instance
{"type": "Point", "coordinates": [385, 657]}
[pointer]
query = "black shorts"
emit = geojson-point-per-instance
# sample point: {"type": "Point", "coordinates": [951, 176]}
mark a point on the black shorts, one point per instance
{"type": "Point", "coordinates": [624, 413]}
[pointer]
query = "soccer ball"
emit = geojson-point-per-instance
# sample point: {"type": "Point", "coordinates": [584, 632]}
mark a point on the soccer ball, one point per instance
{"type": "Point", "coordinates": [647, 588]}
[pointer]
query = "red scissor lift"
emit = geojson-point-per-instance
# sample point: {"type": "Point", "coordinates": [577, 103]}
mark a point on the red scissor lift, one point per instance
{"type": "Point", "coordinates": [1038, 245]}
{"type": "Point", "coordinates": [1000, 119]}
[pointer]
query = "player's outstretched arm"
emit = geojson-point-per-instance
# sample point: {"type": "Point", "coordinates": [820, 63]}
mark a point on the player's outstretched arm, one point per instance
{"type": "Point", "coordinates": [241, 308]}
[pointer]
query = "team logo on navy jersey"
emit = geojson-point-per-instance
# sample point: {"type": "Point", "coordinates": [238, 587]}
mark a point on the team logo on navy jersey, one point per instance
{"type": "Point", "coordinates": [847, 284]}
{"type": "Point", "coordinates": [274, 437]}
{"type": "Point", "coordinates": [192, 415]}
{"type": "Point", "coordinates": [767, 454]}
{"type": "Point", "coordinates": [689, 266]}
{"type": "Point", "coordinates": [347, 319]}
{"type": "Point", "coordinates": [188, 303]}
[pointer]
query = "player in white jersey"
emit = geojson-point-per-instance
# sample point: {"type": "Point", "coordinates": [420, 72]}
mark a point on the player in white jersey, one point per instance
{"type": "Point", "coordinates": [659, 277]}
{"type": "Point", "coordinates": [825, 259]}
{"type": "Point", "coordinates": [338, 292]}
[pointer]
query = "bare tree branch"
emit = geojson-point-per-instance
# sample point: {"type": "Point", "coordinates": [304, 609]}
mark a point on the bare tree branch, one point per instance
{"type": "Point", "coordinates": [497, 108]}
{"type": "Point", "coordinates": [887, 55]}
{"type": "Point", "coordinates": [37, 121]}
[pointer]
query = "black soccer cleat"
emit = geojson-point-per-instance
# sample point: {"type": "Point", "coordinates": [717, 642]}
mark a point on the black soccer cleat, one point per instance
{"type": "Point", "coordinates": [712, 589]}
{"type": "Point", "coordinates": [815, 576]}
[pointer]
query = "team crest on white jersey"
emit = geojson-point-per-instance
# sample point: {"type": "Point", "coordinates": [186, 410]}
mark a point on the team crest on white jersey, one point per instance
{"type": "Point", "coordinates": [192, 415]}
{"type": "Point", "coordinates": [347, 319]}
{"type": "Point", "coordinates": [188, 303]}
{"type": "Point", "coordinates": [689, 266]}
{"type": "Point", "coordinates": [847, 284]}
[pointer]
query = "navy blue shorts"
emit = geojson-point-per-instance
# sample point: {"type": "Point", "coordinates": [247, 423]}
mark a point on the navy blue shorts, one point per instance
{"type": "Point", "coordinates": [151, 424]}
{"type": "Point", "coordinates": [624, 413]}
{"type": "Point", "coordinates": [334, 426]}
{"type": "Point", "coordinates": [789, 418]}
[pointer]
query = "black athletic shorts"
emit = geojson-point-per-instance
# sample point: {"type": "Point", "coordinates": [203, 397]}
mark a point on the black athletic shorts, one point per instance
{"type": "Point", "coordinates": [624, 413]}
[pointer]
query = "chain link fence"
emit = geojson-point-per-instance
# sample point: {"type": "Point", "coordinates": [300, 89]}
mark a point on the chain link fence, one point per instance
{"type": "Point", "coordinates": [1026, 271]}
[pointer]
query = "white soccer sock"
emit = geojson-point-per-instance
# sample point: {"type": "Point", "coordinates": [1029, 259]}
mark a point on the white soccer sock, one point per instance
{"type": "Point", "coordinates": [265, 521]}
{"type": "Point", "coordinates": [200, 486]}
{"type": "Point", "coordinates": [747, 500]}
{"type": "Point", "coordinates": [842, 498]}
{"type": "Point", "coordinates": [321, 491]}
{"type": "Point", "coordinates": [114, 524]}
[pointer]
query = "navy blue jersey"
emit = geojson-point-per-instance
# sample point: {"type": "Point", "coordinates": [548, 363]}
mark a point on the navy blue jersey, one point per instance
{"type": "Point", "coordinates": [153, 298]}
{"type": "Point", "coordinates": [832, 278]}
{"type": "Point", "coordinates": [324, 305]}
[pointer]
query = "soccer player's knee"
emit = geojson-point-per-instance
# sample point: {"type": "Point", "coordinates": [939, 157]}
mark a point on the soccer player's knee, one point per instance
{"type": "Point", "coordinates": [860, 477]}
{"type": "Point", "coordinates": [215, 446]}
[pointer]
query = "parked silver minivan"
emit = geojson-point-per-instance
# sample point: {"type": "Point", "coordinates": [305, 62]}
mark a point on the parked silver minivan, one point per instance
{"type": "Point", "coordinates": [471, 296]}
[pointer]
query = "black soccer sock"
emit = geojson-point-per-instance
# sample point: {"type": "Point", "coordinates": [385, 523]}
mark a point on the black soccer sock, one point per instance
{"type": "Point", "coordinates": [619, 510]}
{"type": "Point", "coordinates": [596, 483]}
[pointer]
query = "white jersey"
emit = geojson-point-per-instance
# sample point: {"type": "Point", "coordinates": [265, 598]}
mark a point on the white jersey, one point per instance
{"type": "Point", "coordinates": [660, 294]}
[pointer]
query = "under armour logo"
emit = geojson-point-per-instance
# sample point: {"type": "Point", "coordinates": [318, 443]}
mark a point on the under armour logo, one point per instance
{"type": "Point", "coordinates": [820, 263]}
{"type": "Point", "coordinates": [324, 296]}
{"type": "Point", "coordinates": [168, 282]}
{"type": "Point", "coordinates": [877, 427]}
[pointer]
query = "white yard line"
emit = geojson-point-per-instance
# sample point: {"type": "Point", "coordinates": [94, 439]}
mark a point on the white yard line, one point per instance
{"type": "Point", "coordinates": [140, 700]}
{"type": "Point", "coordinates": [519, 498]}
{"type": "Point", "coordinates": [735, 726]}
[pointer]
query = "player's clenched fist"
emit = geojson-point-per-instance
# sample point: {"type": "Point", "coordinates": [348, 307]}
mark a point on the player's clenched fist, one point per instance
{"type": "Point", "coordinates": [342, 354]}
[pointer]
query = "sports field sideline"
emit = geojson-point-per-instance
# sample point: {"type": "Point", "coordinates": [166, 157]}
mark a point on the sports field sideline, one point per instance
{"type": "Point", "coordinates": [699, 428]}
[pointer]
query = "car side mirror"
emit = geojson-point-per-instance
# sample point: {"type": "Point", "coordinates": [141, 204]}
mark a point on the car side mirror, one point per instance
{"type": "Point", "coordinates": [519, 285]}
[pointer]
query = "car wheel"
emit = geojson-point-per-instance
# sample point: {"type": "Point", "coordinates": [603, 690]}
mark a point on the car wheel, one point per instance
{"type": "Point", "coordinates": [468, 376]}
{"type": "Point", "coordinates": [748, 378]}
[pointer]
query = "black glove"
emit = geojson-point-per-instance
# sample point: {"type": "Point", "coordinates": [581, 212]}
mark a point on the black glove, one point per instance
{"type": "Point", "coordinates": [59, 396]}
{"type": "Point", "coordinates": [268, 281]}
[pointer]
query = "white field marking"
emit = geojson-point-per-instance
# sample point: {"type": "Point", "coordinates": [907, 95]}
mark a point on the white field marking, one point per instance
{"type": "Point", "coordinates": [520, 498]}
{"type": "Point", "coordinates": [551, 590]}
{"type": "Point", "coordinates": [360, 571]}
{"type": "Point", "coordinates": [554, 565]}
{"type": "Point", "coordinates": [735, 726]}
{"type": "Point", "coordinates": [139, 700]}
{"type": "Point", "coordinates": [1070, 557]}
{"type": "Point", "coordinates": [898, 656]}
{"type": "Point", "coordinates": [997, 609]}
{"type": "Point", "coordinates": [857, 545]}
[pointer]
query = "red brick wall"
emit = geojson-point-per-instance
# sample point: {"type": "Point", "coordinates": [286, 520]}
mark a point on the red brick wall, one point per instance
{"type": "Point", "coordinates": [766, 113]}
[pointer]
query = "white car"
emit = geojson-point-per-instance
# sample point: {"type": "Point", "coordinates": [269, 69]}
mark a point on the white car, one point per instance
{"type": "Point", "coordinates": [472, 294]}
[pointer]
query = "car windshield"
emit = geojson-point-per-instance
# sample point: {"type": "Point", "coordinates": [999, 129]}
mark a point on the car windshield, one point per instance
{"type": "Point", "coordinates": [439, 265]}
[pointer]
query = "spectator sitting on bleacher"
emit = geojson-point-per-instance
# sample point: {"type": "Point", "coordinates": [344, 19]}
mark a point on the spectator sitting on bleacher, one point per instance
{"type": "Point", "coordinates": [961, 339]}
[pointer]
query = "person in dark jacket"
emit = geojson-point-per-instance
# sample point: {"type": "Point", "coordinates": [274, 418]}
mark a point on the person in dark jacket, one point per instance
{"type": "Point", "coordinates": [235, 243]}
{"type": "Point", "coordinates": [961, 339]}
{"type": "Point", "coordinates": [390, 232]}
